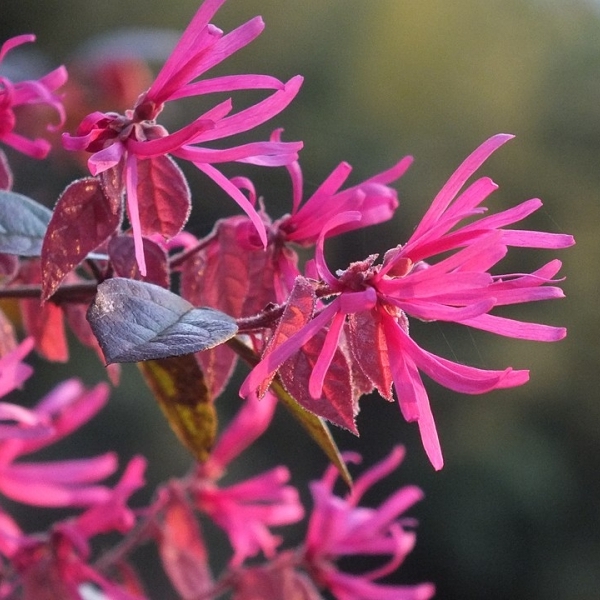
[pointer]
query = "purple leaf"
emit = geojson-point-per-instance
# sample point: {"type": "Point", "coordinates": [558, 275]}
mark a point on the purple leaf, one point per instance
{"type": "Point", "coordinates": [84, 217]}
{"type": "Point", "coordinates": [121, 251]}
{"type": "Point", "coordinates": [164, 197]}
{"type": "Point", "coordinates": [233, 273]}
{"type": "Point", "coordinates": [369, 350]}
{"type": "Point", "coordinates": [337, 403]}
{"type": "Point", "coordinates": [135, 320]}
{"type": "Point", "coordinates": [23, 224]}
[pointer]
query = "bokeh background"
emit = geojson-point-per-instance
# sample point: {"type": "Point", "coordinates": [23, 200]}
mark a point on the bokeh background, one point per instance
{"type": "Point", "coordinates": [515, 513]}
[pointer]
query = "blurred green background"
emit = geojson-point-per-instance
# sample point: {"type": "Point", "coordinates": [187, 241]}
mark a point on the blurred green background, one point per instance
{"type": "Point", "coordinates": [516, 511]}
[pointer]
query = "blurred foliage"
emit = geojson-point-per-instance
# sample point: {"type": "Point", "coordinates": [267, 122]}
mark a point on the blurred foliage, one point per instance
{"type": "Point", "coordinates": [516, 512]}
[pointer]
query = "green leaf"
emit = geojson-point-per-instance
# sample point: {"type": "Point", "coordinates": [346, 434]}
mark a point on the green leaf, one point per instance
{"type": "Point", "coordinates": [178, 386]}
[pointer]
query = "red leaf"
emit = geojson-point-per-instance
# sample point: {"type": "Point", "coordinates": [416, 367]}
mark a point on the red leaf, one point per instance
{"type": "Point", "coordinates": [43, 322]}
{"type": "Point", "coordinates": [337, 403]}
{"type": "Point", "coordinates": [122, 255]}
{"type": "Point", "coordinates": [84, 217]}
{"type": "Point", "coordinates": [111, 181]}
{"type": "Point", "coordinates": [369, 350]}
{"type": "Point", "coordinates": [182, 550]}
{"type": "Point", "coordinates": [218, 365]}
{"type": "Point", "coordinates": [164, 197]}
{"type": "Point", "coordinates": [274, 583]}
{"type": "Point", "coordinates": [298, 312]}
{"type": "Point", "coordinates": [234, 274]}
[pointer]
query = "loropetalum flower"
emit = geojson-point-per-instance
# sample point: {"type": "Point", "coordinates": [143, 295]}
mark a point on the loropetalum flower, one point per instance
{"type": "Point", "coordinates": [62, 411]}
{"type": "Point", "coordinates": [246, 510]}
{"type": "Point", "coordinates": [13, 95]}
{"type": "Point", "coordinates": [31, 92]}
{"type": "Point", "coordinates": [57, 564]}
{"type": "Point", "coordinates": [373, 198]}
{"type": "Point", "coordinates": [267, 275]}
{"type": "Point", "coordinates": [339, 527]}
{"type": "Point", "coordinates": [372, 302]}
{"type": "Point", "coordinates": [130, 140]}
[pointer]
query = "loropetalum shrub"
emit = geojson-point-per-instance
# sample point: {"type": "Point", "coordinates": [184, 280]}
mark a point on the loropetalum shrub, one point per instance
{"type": "Point", "coordinates": [317, 341]}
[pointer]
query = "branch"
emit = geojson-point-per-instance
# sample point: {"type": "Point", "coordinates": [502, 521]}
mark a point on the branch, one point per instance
{"type": "Point", "coordinates": [74, 292]}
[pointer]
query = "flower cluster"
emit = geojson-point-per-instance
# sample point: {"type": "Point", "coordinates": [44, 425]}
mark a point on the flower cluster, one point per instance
{"type": "Point", "coordinates": [339, 527]}
{"type": "Point", "coordinates": [14, 95]}
{"type": "Point", "coordinates": [370, 302]}
{"type": "Point", "coordinates": [56, 564]}
{"type": "Point", "coordinates": [113, 262]}
{"type": "Point", "coordinates": [135, 142]}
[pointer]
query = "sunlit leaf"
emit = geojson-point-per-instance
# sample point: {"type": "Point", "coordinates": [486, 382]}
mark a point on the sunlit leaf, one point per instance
{"type": "Point", "coordinates": [112, 184]}
{"type": "Point", "coordinates": [46, 325]}
{"type": "Point", "coordinates": [369, 350]}
{"type": "Point", "coordinates": [298, 312]}
{"type": "Point", "coordinates": [23, 224]}
{"type": "Point", "coordinates": [135, 320]}
{"type": "Point", "coordinates": [84, 217]}
{"type": "Point", "coordinates": [178, 386]}
{"type": "Point", "coordinates": [337, 402]}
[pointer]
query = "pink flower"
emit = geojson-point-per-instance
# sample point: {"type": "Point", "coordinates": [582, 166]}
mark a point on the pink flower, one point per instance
{"type": "Point", "coordinates": [375, 201]}
{"type": "Point", "coordinates": [20, 422]}
{"type": "Point", "coordinates": [267, 275]}
{"type": "Point", "coordinates": [13, 372]}
{"type": "Point", "coordinates": [373, 198]}
{"type": "Point", "coordinates": [372, 301]}
{"type": "Point", "coordinates": [126, 140]}
{"type": "Point", "coordinates": [246, 510]}
{"type": "Point", "coordinates": [30, 92]}
{"type": "Point", "coordinates": [339, 527]}
{"type": "Point", "coordinates": [57, 564]}
{"type": "Point", "coordinates": [65, 409]}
